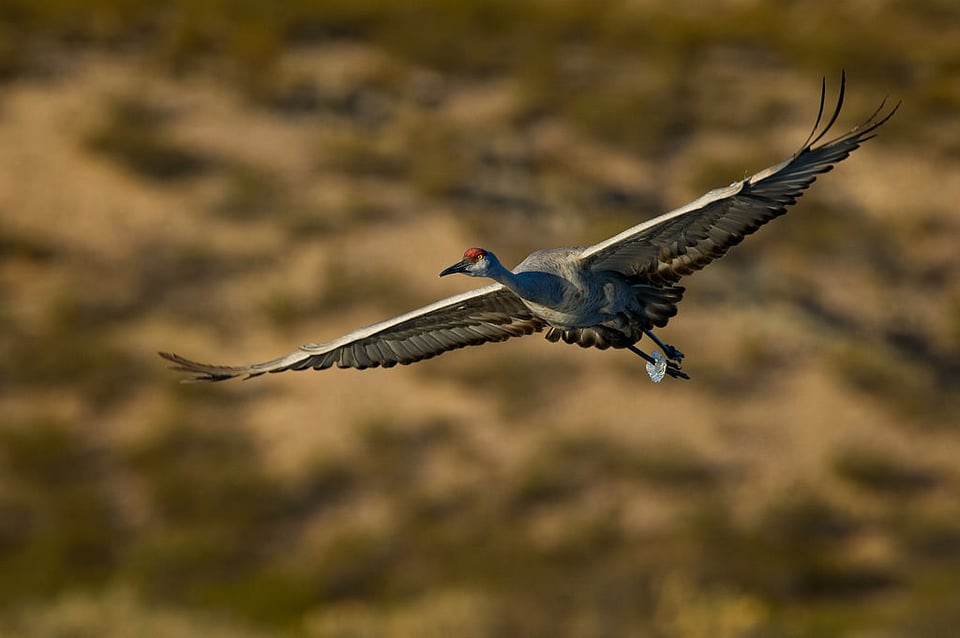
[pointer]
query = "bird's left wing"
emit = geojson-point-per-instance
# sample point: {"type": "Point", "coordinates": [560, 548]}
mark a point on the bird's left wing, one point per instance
{"type": "Point", "coordinates": [490, 313]}
{"type": "Point", "coordinates": [662, 250]}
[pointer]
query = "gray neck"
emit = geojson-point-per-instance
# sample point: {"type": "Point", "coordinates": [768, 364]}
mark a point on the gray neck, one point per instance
{"type": "Point", "coordinates": [539, 287]}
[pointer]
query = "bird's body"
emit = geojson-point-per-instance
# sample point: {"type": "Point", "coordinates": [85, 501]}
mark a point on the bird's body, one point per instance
{"type": "Point", "coordinates": [571, 299]}
{"type": "Point", "coordinates": [610, 294]}
{"type": "Point", "coordinates": [554, 289]}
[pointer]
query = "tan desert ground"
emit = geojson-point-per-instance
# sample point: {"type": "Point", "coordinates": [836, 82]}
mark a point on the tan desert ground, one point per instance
{"type": "Point", "coordinates": [228, 179]}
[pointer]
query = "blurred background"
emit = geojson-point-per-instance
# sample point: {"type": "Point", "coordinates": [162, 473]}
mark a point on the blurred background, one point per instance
{"type": "Point", "coordinates": [231, 178]}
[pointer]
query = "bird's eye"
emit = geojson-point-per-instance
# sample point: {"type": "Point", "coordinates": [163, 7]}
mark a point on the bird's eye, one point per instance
{"type": "Point", "coordinates": [480, 257]}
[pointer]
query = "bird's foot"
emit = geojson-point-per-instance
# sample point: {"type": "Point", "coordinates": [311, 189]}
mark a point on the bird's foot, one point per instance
{"type": "Point", "coordinates": [670, 352]}
{"type": "Point", "coordinates": [675, 372]}
{"type": "Point", "coordinates": [673, 354]}
{"type": "Point", "coordinates": [658, 367]}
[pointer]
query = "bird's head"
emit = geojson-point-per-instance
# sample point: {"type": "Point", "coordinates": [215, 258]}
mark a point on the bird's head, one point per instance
{"type": "Point", "coordinates": [476, 262]}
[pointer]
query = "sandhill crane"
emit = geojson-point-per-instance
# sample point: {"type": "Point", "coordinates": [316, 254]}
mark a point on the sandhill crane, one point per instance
{"type": "Point", "coordinates": [610, 294]}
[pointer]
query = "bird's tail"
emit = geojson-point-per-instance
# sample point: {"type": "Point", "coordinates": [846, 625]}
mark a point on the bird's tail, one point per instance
{"type": "Point", "coordinates": [655, 306]}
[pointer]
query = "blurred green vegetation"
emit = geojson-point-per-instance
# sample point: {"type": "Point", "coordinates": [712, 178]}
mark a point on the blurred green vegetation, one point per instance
{"type": "Point", "coordinates": [187, 528]}
{"type": "Point", "coordinates": [611, 88]}
{"type": "Point", "coordinates": [221, 534]}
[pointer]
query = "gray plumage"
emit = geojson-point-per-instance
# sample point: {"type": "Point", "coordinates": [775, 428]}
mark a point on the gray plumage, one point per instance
{"type": "Point", "coordinates": [610, 294]}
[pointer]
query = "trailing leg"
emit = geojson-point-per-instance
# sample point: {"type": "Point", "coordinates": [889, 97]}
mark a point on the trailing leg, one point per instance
{"type": "Point", "coordinates": [672, 369]}
{"type": "Point", "coordinates": [669, 351]}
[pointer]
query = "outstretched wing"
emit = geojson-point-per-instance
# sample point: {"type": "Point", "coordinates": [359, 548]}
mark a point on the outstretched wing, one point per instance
{"type": "Point", "coordinates": [662, 250]}
{"type": "Point", "coordinates": [491, 313]}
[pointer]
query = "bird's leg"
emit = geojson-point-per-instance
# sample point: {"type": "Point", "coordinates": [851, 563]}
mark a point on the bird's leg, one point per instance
{"type": "Point", "coordinates": [672, 369]}
{"type": "Point", "coordinates": [671, 353]}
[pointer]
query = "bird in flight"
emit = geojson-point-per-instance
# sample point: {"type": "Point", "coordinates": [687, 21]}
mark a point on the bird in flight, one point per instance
{"type": "Point", "coordinates": [611, 294]}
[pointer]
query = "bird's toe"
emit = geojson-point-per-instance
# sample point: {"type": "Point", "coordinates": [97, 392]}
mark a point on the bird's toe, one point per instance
{"type": "Point", "coordinates": [673, 354]}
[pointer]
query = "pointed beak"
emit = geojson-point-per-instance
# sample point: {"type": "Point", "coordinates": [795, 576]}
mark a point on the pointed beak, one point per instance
{"type": "Point", "coordinates": [460, 266]}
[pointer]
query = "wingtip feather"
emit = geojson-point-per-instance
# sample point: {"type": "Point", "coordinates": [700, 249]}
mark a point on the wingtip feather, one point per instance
{"type": "Point", "coordinates": [201, 371]}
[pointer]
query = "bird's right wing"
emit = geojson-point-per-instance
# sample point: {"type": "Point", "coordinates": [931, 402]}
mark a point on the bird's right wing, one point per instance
{"type": "Point", "coordinates": [490, 313]}
{"type": "Point", "coordinates": [664, 249]}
